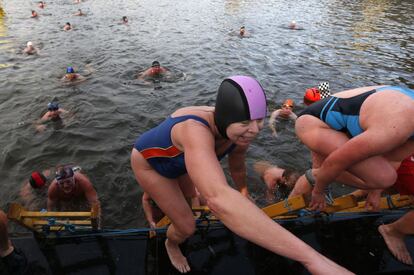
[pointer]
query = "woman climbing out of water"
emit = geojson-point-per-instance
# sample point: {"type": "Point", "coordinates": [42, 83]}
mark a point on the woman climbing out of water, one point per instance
{"type": "Point", "coordinates": [358, 137]}
{"type": "Point", "coordinates": [186, 148]}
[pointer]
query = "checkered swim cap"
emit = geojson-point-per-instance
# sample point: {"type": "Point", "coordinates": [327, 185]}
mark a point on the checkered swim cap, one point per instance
{"type": "Point", "coordinates": [323, 88]}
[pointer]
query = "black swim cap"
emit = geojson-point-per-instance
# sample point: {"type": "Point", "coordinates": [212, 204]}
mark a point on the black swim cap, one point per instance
{"type": "Point", "coordinates": [155, 63]}
{"type": "Point", "coordinates": [64, 172]}
{"type": "Point", "coordinates": [239, 98]}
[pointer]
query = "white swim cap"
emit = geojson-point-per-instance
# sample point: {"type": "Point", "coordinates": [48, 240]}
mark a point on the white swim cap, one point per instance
{"type": "Point", "coordinates": [30, 43]}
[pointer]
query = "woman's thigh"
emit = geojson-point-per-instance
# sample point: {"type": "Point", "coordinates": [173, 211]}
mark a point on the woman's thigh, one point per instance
{"type": "Point", "coordinates": [318, 136]}
{"type": "Point", "coordinates": [165, 192]}
{"type": "Point", "coordinates": [323, 141]}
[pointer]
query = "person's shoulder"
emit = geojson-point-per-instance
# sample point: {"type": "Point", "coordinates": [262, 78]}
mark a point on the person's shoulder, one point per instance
{"type": "Point", "coordinates": [52, 189]}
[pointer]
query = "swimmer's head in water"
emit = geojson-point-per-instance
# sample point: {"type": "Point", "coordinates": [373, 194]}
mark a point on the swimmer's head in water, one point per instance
{"type": "Point", "coordinates": [37, 180]}
{"type": "Point", "coordinates": [289, 103]}
{"type": "Point", "coordinates": [311, 96]}
{"type": "Point", "coordinates": [29, 44]}
{"type": "Point", "coordinates": [239, 98]}
{"type": "Point", "coordinates": [53, 106]}
{"type": "Point", "coordinates": [155, 64]}
{"type": "Point", "coordinates": [124, 18]}
{"type": "Point", "coordinates": [242, 30]}
{"type": "Point", "coordinates": [65, 178]}
{"type": "Point", "coordinates": [70, 70]}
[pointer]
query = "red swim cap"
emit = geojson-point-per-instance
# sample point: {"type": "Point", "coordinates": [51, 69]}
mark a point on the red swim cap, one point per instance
{"type": "Point", "coordinates": [37, 179]}
{"type": "Point", "coordinates": [311, 96]}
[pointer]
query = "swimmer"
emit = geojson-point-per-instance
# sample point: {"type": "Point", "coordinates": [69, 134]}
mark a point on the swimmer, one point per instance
{"type": "Point", "coordinates": [285, 112]}
{"type": "Point", "coordinates": [124, 19]}
{"type": "Point", "coordinates": [184, 151]}
{"type": "Point", "coordinates": [293, 25]}
{"type": "Point", "coordinates": [35, 187]}
{"type": "Point", "coordinates": [70, 184]}
{"type": "Point", "coordinates": [34, 14]}
{"type": "Point", "coordinates": [30, 49]}
{"type": "Point", "coordinates": [242, 31]}
{"type": "Point", "coordinates": [156, 71]}
{"type": "Point", "coordinates": [41, 4]}
{"type": "Point", "coordinates": [276, 179]}
{"type": "Point", "coordinates": [361, 134]}
{"type": "Point", "coordinates": [54, 113]}
{"type": "Point", "coordinates": [73, 77]}
{"type": "Point", "coordinates": [79, 13]}
{"type": "Point", "coordinates": [67, 27]}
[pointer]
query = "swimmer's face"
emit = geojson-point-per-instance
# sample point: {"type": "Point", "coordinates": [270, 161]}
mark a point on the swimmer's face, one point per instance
{"type": "Point", "coordinates": [287, 107]}
{"type": "Point", "coordinates": [156, 70]}
{"type": "Point", "coordinates": [67, 185]}
{"type": "Point", "coordinates": [244, 132]}
{"type": "Point", "coordinates": [70, 76]}
{"type": "Point", "coordinates": [54, 113]}
{"type": "Point", "coordinates": [241, 31]}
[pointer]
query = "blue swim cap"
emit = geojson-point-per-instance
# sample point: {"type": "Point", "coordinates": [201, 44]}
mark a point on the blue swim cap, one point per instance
{"type": "Point", "coordinates": [70, 70]}
{"type": "Point", "coordinates": [53, 106]}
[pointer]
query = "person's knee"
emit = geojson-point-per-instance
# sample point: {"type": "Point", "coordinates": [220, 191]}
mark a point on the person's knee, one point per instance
{"type": "Point", "coordinates": [186, 228]}
{"type": "Point", "coordinates": [383, 179]}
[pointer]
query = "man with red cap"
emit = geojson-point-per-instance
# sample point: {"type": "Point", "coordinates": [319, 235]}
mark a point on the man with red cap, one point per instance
{"type": "Point", "coordinates": [35, 188]}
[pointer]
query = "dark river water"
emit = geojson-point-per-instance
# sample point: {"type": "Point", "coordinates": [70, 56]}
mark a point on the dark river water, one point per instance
{"type": "Point", "coordinates": [349, 43]}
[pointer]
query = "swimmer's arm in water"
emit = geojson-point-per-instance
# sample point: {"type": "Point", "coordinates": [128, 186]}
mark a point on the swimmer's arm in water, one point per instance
{"type": "Point", "coordinates": [237, 168]}
{"type": "Point", "coordinates": [88, 189]}
{"type": "Point", "coordinates": [293, 116]}
{"type": "Point", "coordinates": [144, 74]}
{"type": "Point", "coordinates": [271, 184]}
{"type": "Point", "coordinates": [272, 122]}
{"type": "Point", "coordinates": [88, 70]}
{"type": "Point", "coordinates": [149, 214]}
{"type": "Point", "coordinates": [270, 194]}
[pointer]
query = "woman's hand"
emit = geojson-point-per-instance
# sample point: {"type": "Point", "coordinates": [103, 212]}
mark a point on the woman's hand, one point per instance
{"type": "Point", "coordinates": [373, 200]}
{"type": "Point", "coordinates": [318, 201]}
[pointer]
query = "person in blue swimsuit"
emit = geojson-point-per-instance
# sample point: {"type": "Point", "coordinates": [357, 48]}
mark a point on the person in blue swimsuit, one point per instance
{"type": "Point", "coordinates": [358, 137]}
{"type": "Point", "coordinates": [183, 152]}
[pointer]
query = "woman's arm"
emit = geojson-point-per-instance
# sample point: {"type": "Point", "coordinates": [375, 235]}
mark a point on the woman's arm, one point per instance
{"type": "Point", "coordinates": [237, 212]}
{"type": "Point", "coordinates": [146, 205]}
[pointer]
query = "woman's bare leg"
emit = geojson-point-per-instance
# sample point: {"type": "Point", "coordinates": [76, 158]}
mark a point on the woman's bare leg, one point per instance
{"type": "Point", "coordinates": [170, 198]}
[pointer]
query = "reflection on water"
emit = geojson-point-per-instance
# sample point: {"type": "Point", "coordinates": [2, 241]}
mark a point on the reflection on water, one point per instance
{"type": "Point", "coordinates": [373, 13]}
{"type": "Point", "coordinates": [348, 43]}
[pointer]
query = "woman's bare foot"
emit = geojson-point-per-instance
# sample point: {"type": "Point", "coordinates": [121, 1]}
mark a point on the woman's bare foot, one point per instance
{"type": "Point", "coordinates": [395, 243]}
{"type": "Point", "coordinates": [176, 257]}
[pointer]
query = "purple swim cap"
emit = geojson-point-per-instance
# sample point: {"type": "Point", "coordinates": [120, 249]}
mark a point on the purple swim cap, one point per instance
{"type": "Point", "coordinates": [239, 98]}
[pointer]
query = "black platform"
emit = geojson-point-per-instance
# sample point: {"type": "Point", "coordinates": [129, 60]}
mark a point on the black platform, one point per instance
{"type": "Point", "coordinates": [351, 240]}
